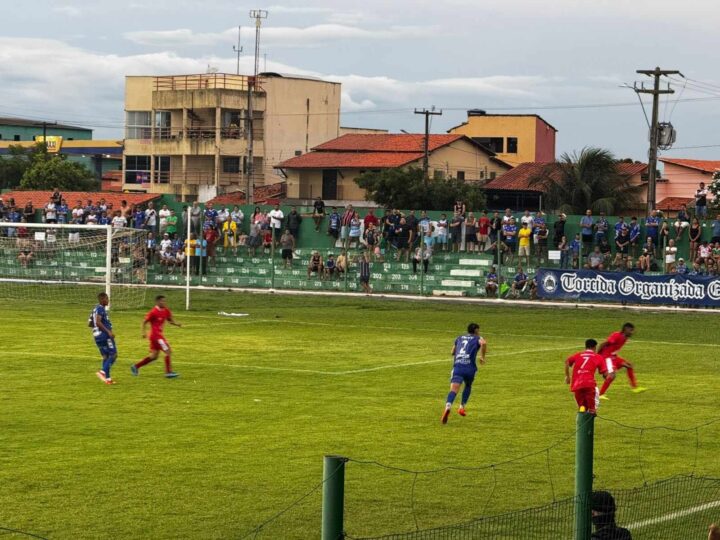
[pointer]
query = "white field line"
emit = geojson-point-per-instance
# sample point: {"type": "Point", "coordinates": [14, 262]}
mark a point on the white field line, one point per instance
{"type": "Point", "coordinates": [672, 516]}
{"type": "Point", "coordinates": [299, 370]}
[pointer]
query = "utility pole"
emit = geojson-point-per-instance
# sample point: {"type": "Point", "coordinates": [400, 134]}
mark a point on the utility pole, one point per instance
{"type": "Point", "coordinates": [258, 15]}
{"type": "Point", "coordinates": [426, 158]}
{"type": "Point", "coordinates": [238, 49]}
{"type": "Point", "coordinates": [656, 92]}
{"type": "Point", "coordinates": [45, 126]}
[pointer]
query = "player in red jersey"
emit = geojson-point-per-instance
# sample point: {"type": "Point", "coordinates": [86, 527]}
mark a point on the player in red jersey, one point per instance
{"type": "Point", "coordinates": [157, 317]}
{"type": "Point", "coordinates": [609, 350]}
{"type": "Point", "coordinates": [584, 365]}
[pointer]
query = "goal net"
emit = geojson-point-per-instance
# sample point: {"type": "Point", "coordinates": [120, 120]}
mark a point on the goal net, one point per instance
{"type": "Point", "coordinates": [72, 263]}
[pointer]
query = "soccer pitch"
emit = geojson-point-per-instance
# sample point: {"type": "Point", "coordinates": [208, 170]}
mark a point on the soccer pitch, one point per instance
{"type": "Point", "coordinates": [241, 434]}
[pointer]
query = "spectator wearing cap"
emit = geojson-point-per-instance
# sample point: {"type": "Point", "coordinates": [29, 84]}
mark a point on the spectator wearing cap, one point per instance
{"type": "Point", "coordinates": [681, 268]}
{"type": "Point", "coordinates": [682, 221]}
{"type": "Point", "coordinates": [670, 254]}
{"type": "Point", "coordinates": [519, 283]}
{"type": "Point", "coordinates": [602, 512]}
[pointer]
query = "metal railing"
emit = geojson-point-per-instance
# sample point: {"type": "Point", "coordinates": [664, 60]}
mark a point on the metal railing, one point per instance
{"type": "Point", "coordinates": [206, 81]}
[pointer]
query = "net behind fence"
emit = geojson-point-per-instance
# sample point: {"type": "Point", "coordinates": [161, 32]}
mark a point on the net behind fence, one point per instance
{"type": "Point", "coordinates": [70, 264]}
{"type": "Point", "coordinates": [679, 508]}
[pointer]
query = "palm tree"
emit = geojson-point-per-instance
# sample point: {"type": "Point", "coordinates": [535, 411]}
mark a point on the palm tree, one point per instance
{"type": "Point", "coordinates": [588, 179]}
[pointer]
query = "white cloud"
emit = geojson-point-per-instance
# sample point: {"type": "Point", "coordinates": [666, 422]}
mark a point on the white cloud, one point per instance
{"type": "Point", "coordinates": [287, 36]}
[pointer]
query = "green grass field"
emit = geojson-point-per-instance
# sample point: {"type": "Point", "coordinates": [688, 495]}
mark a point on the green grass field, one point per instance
{"type": "Point", "coordinates": [261, 399]}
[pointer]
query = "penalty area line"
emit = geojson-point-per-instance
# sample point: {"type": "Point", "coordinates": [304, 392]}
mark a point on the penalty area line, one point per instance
{"type": "Point", "coordinates": [673, 515]}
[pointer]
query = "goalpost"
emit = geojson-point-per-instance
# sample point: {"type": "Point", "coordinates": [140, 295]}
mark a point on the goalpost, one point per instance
{"type": "Point", "coordinates": [73, 263]}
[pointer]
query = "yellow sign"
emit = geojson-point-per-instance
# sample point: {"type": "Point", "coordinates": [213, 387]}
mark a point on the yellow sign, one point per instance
{"type": "Point", "coordinates": [53, 142]}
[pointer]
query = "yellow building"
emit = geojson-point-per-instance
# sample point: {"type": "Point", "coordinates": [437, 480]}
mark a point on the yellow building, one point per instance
{"type": "Point", "coordinates": [329, 171]}
{"type": "Point", "coordinates": [514, 138]}
{"type": "Point", "coordinates": [188, 135]}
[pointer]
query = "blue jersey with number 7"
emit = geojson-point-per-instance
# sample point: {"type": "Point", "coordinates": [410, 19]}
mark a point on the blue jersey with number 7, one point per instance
{"type": "Point", "coordinates": [466, 349]}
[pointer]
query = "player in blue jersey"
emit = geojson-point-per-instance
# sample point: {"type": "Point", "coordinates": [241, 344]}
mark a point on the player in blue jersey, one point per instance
{"type": "Point", "coordinates": [102, 332]}
{"type": "Point", "coordinates": [464, 353]}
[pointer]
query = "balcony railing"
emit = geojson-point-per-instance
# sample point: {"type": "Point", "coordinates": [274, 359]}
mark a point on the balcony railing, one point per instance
{"type": "Point", "coordinates": [206, 81]}
{"type": "Point", "coordinates": [199, 132]}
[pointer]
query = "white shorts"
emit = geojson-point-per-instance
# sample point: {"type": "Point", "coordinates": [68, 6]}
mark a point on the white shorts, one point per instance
{"type": "Point", "coordinates": [524, 250]}
{"type": "Point", "coordinates": [682, 224]}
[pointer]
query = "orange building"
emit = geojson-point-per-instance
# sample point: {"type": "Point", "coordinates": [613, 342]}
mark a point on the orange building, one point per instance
{"type": "Point", "coordinates": [514, 138]}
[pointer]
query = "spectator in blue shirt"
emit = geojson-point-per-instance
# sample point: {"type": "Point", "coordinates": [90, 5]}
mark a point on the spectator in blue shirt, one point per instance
{"type": "Point", "coordinates": [334, 223]}
{"type": "Point", "coordinates": [681, 267]}
{"type": "Point", "coordinates": [620, 225]}
{"type": "Point", "coordinates": [601, 228]}
{"type": "Point", "coordinates": [587, 223]}
{"type": "Point", "coordinates": [575, 247]}
{"type": "Point", "coordinates": [491, 283]}
{"type": "Point", "coordinates": [509, 231]}
{"type": "Point", "coordinates": [139, 218]}
{"type": "Point", "coordinates": [682, 221]}
{"type": "Point", "coordinates": [652, 224]}
{"type": "Point", "coordinates": [519, 282]}
{"type": "Point", "coordinates": [634, 236]}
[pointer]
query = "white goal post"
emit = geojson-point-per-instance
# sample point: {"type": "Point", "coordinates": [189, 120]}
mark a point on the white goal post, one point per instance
{"type": "Point", "coordinates": [73, 263]}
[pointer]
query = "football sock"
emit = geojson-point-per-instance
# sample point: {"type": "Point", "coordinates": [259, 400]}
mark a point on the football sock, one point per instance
{"type": "Point", "coordinates": [143, 362]}
{"type": "Point", "coordinates": [107, 363]}
{"type": "Point", "coordinates": [168, 365]}
{"type": "Point", "coordinates": [465, 395]}
{"type": "Point", "coordinates": [450, 398]}
{"type": "Point", "coordinates": [631, 376]}
{"type": "Point", "coordinates": [605, 386]}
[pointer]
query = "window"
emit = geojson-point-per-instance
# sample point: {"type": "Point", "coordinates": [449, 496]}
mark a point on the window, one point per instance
{"type": "Point", "coordinates": [162, 169]}
{"type": "Point", "coordinates": [138, 125]}
{"type": "Point", "coordinates": [482, 175]}
{"type": "Point", "coordinates": [461, 176]}
{"type": "Point", "coordinates": [512, 145]}
{"type": "Point", "coordinates": [231, 165]}
{"type": "Point", "coordinates": [0, 136]}
{"type": "Point", "coordinates": [16, 137]}
{"type": "Point", "coordinates": [232, 119]}
{"type": "Point", "coordinates": [493, 175]}
{"type": "Point", "coordinates": [162, 124]}
{"type": "Point", "coordinates": [137, 169]}
{"type": "Point", "coordinates": [438, 174]}
{"type": "Point", "coordinates": [494, 144]}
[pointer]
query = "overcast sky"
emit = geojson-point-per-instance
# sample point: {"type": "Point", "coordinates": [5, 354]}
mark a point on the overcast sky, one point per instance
{"type": "Point", "coordinates": [65, 59]}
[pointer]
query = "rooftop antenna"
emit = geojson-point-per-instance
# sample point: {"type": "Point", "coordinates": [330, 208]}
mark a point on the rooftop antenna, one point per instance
{"type": "Point", "coordinates": [238, 49]}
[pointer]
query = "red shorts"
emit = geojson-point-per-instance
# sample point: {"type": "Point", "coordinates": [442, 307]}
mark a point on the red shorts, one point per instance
{"type": "Point", "coordinates": [618, 363]}
{"type": "Point", "coordinates": [588, 398]}
{"type": "Point", "coordinates": [158, 343]}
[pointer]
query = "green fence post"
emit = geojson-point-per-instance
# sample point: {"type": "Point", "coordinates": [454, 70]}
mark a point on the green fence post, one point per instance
{"type": "Point", "coordinates": [584, 474]}
{"type": "Point", "coordinates": [272, 261]}
{"type": "Point", "coordinates": [333, 500]}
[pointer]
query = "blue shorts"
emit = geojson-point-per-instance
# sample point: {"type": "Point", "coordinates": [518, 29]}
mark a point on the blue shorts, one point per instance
{"type": "Point", "coordinates": [107, 347]}
{"type": "Point", "coordinates": [460, 375]}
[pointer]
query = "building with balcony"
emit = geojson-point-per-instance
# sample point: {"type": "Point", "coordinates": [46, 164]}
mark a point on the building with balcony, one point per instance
{"type": "Point", "coordinates": [514, 138]}
{"type": "Point", "coordinates": [330, 170]}
{"type": "Point", "coordinates": [189, 135]}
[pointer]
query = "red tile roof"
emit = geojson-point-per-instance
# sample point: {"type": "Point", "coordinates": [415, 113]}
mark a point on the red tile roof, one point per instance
{"type": "Point", "coordinates": [387, 142]}
{"type": "Point", "coordinates": [674, 203]}
{"type": "Point", "coordinates": [704, 165]}
{"type": "Point", "coordinates": [269, 194]}
{"type": "Point", "coordinates": [350, 160]}
{"type": "Point", "coordinates": [41, 198]}
{"type": "Point", "coordinates": [519, 178]}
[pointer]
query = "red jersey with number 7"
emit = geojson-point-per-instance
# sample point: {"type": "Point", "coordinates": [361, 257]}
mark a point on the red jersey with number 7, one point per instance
{"type": "Point", "coordinates": [584, 365]}
{"type": "Point", "coordinates": [157, 317]}
{"type": "Point", "coordinates": [615, 342]}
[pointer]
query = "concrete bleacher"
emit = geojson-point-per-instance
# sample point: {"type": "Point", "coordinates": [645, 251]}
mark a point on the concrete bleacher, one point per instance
{"type": "Point", "coordinates": [452, 274]}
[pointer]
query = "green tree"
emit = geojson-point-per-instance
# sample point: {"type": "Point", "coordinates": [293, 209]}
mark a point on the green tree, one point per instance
{"type": "Point", "coordinates": [588, 179]}
{"type": "Point", "coordinates": [48, 171]}
{"type": "Point", "coordinates": [407, 188]}
{"type": "Point", "coordinates": [14, 165]}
